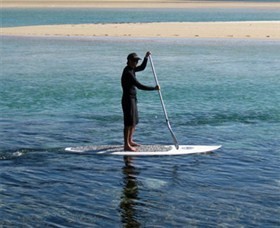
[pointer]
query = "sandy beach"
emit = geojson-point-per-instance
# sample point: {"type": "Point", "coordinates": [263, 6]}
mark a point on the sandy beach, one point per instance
{"type": "Point", "coordinates": [136, 4]}
{"type": "Point", "coordinates": [256, 30]}
{"type": "Point", "coordinates": [253, 29]}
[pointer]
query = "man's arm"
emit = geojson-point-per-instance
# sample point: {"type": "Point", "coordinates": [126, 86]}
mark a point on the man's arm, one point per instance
{"type": "Point", "coordinates": [142, 66]}
{"type": "Point", "coordinates": [141, 86]}
{"type": "Point", "coordinates": [144, 63]}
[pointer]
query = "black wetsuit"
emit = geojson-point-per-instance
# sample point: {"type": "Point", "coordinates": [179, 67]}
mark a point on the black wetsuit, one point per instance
{"type": "Point", "coordinates": [129, 98]}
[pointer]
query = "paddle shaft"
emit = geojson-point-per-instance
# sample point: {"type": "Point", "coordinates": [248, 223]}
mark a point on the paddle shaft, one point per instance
{"type": "Point", "coordinates": [163, 106]}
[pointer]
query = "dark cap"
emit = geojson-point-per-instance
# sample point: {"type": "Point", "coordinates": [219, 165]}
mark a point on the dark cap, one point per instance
{"type": "Point", "coordinates": [133, 56]}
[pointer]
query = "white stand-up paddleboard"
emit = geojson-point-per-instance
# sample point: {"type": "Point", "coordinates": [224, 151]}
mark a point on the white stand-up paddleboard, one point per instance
{"type": "Point", "coordinates": [143, 150]}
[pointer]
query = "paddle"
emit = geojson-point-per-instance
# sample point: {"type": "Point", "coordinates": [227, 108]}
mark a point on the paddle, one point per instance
{"type": "Point", "coordinates": [163, 106]}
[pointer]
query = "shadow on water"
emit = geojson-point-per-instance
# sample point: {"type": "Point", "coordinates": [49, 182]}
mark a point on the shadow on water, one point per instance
{"type": "Point", "coordinates": [129, 197]}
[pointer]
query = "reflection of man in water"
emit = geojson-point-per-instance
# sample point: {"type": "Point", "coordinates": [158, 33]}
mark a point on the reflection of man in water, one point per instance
{"type": "Point", "coordinates": [130, 195]}
{"type": "Point", "coordinates": [129, 98]}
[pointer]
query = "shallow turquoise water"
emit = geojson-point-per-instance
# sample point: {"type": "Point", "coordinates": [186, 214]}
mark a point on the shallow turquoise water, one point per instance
{"type": "Point", "coordinates": [58, 92]}
{"type": "Point", "coordinates": [19, 17]}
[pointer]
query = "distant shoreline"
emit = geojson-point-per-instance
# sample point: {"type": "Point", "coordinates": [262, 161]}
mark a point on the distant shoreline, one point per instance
{"type": "Point", "coordinates": [245, 29]}
{"type": "Point", "coordinates": [135, 4]}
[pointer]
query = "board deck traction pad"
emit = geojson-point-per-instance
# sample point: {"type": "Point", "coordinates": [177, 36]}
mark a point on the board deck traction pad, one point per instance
{"type": "Point", "coordinates": [143, 149]}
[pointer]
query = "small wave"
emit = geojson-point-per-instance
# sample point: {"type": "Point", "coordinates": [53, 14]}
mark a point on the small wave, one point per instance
{"type": "Point", "coordinates": [11, 155]}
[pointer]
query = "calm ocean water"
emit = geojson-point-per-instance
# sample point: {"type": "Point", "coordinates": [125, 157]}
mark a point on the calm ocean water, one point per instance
{"type": "Point", "coordinates": [58, 92]}
{"type": "Point", "coordinates": [18, 17]}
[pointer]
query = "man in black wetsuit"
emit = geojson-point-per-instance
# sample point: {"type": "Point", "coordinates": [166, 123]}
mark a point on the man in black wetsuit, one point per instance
{"type": "Point", "coordinates": [129, 98]}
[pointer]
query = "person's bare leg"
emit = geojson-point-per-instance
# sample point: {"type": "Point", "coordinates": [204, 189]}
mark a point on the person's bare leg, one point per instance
{"type": "Point", "coordinates": [127, 133]}
{"type": "Point", "coordinates": [131, 142]}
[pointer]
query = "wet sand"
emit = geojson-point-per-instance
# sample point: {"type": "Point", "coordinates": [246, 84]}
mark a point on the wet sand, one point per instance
{"type": "Point", "coordinates": [136, 4]}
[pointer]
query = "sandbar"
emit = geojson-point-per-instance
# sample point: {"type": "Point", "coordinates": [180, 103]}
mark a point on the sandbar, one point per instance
{"type": "Point", "coordinates": [246, 30]}
{"type": "Point", "coordinates": [135, 4]}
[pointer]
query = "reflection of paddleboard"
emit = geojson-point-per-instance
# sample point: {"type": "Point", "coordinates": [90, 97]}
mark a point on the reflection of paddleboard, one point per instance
{"type": "Point", "coordinates": [143, 150]}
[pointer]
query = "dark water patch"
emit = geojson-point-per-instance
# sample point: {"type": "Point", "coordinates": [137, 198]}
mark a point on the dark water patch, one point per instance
{"type": "Point", "coordinates": [214, 118]}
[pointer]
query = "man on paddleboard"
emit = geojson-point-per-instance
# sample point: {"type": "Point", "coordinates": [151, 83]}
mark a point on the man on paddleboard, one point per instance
{"type": "Point", "coordinates": [129, 98]}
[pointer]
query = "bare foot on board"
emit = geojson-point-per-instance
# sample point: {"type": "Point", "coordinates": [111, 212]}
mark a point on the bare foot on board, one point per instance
{"type": "Point", "coordinates": [129, 148]}
{"type": "Point", "coordinates": [134, 144]}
